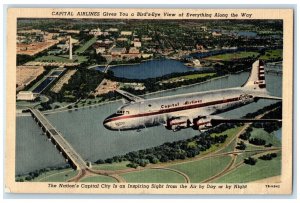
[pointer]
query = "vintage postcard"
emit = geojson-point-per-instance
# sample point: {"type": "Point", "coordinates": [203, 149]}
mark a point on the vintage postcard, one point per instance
{"type": "Point", "coordinates": [149, 101]}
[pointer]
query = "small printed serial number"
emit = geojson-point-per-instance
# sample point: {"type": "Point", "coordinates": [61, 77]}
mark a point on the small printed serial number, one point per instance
{"type": "Point", "coordinates": [272, 186]}
{"type": "Point", "coordinates": [120, 123]}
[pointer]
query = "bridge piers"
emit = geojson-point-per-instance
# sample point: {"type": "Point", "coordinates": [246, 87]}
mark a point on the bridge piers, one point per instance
{"type": "Point", "coordinates": [64, 148]}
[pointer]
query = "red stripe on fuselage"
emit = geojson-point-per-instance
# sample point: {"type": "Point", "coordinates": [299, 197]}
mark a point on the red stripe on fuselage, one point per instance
{"type": "Point", "coordinates": [181, 108]}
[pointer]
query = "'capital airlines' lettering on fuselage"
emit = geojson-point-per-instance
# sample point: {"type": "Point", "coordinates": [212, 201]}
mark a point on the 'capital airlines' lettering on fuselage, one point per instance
{"type": "Point", "coordinates": [177, 104]}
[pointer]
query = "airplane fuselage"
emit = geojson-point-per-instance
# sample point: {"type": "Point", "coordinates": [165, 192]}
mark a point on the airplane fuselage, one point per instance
{"type": "Point", "coordinates": [186, 107]}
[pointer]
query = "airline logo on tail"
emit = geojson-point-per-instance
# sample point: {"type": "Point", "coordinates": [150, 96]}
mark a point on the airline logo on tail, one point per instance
{"type": "Point", "coordinates": [257, 76]}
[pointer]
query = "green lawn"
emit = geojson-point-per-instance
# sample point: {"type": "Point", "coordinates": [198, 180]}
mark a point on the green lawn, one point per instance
{"type": "Point", "coordinates": [86, 45]}
{"type": "Point", "coordinates": [61, 59]}
{"type": "Point", "coordinates": [232, 56]}
{"type": "Point", "coordinates": [113, 166]}
{"type": "Point", "coordinates": [153, 176]}
{"type": "Point", "coordinates": [229, 148]}
{"type": "Point", "coordinates": [60, 176]}
{"type": "Point", "coordinates": [193, 76]}
{"type": "Point", "coordinates": [247, 173]}
{"type": "Point", "coordinates": [98, 179]}
{"type": "Point", "coordinates": [49, 173]}
{"type": "Point", "coordinates": [269, 138]}
{"type": "Point", "coordinates": [203, 169]}
{"type": "Point", "coordinates": [230, 133]}
{"type": "Point", "coordinates": [243, 156]}
{"type": "Point", "coordinates": [272, 55]}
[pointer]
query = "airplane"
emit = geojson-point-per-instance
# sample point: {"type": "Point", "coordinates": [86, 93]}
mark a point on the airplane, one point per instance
{"type": "Point", "coordinates": [196, 110]}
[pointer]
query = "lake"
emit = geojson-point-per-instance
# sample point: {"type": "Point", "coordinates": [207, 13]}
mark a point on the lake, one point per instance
{"type": "Point", "coordinates": [150, 69]}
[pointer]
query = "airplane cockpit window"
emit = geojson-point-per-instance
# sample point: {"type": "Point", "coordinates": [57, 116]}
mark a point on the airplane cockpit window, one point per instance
{"type": "Point", "coordinates": [122, 112]}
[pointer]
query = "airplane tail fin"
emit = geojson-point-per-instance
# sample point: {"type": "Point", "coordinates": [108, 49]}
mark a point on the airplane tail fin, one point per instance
{"type": "Point", "coordinates": [256, 80]}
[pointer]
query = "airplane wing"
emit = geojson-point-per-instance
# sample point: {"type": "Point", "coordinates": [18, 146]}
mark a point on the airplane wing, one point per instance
{"type": "Point", "coordinates": [129, 97]}
{"type": "Point", "coordinates": [215, 122]}
{"type": "Point", "coordinates": [268, 97]}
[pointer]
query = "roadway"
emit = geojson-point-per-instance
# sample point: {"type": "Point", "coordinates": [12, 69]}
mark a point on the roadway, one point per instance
{"type": "Point", "coordinates": [59, 140]}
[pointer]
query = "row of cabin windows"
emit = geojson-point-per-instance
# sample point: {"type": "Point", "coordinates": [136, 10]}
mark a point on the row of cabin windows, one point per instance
{"type": "Point", "coordinates": [127, 112]}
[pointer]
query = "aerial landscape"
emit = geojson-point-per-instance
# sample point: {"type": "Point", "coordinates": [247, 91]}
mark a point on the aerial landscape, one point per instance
{"type": "Point", "coordinates": [111, 100]}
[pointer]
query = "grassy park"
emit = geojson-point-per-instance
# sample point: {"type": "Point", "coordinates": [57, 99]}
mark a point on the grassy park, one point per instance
{"type": "Point", "coordinates": [247, 173]}
{"type": "Point", "coordinates": [153, 176]}
{"type": "Point", "coordinates": [115, 166]}
{"type": "Point", "coordinates": [233, 56]}
{"type": "Point", "coordinates": [61, 59]}
{"type": "Point", "coordinates": [98, 179]}
{"type": "Point", "coordinates": [202, 169]}
{"type": "Point", "coordinates": [191, 77]}
{"type": "Point", "coordinates": [275, 54]}
{"type": "Point", "coordinates": [56, 176]}
{"type": "Point", "coordinates": [86, 45]}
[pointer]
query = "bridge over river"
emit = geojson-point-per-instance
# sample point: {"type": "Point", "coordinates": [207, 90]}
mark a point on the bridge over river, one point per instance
{"type": "Point", "coordinates": [65, 148]}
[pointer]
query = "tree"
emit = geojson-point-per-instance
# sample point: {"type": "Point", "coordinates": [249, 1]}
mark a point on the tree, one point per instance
{"type": "Point", "coordinates": [250, 161]}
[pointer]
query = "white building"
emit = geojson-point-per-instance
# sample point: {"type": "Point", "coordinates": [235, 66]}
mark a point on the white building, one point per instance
{"type": "Point", "coordinates": [216, 34]}
{"type": "Point", "coordinates": [196, 63]}
{"type": "Point", "coordinates": [26, 95]}
{"type": "Point", "coordinates": [100, 50]}
{"type": "Point", "coordinates": [118, 51]}
{"type": "Point", "coordinates": [126, 33]}
{"type": "Point", "coordinates": [137, 44]}
{"type": "Point", "coordinates": [112, 30]}
{"type": "Point", "coordinates": [134, 50]}
{"type": "Point", "coordinates": [96, 32]}
{"type": "Point", "coordinates": [146, 38]}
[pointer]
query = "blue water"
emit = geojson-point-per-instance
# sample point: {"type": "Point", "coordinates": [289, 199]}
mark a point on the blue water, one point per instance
{"type": "Point", "coordinates": [43, 85]}
{"type": "Point", "coordinates": [56, 73]}
{"type": "Point", "coordinates": [246, 34]}
{"type": "Point", "coordinates": [149, 69]}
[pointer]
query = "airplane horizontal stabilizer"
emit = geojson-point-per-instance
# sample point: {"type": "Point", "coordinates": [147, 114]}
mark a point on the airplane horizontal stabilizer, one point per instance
{"type": "Point", "coordinates": [215, 122]}
{"type": "Point", "coordinates": [128, 96]}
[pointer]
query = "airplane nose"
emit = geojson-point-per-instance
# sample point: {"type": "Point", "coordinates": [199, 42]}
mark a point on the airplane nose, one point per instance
{"type": "Point", "coordinates": [107, 125]}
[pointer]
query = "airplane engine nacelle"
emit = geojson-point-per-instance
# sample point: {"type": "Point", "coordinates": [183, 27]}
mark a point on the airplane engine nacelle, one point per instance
{"type": "Point", "coordinates": [202, 123]}
{"type": "Point", "coordinates": [178, 123]}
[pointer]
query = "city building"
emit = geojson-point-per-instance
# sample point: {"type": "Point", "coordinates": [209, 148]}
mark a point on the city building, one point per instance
{"type": "Point", "coordinates": [100, 50]}
{"type": "Point", "coordinates": [70, 31]}
{"type": "Point", "coordinates": [118, 51]}
{"type": "Point", "coordinates": [112, 30]}
{"type": "Point", "coordinates": [137, 44]}
{"type": "Point", "coordinates": [126, 33]}
{"type": "Point", "coordinates": [216, 34]}
{"type": "Point", "coordinates": [147, 56]}
{"type": "Point", "coordinates": [146, 38]}
{"type": "Point", "coordinates": [204, 28]}
{"type": "Point", "coordinates": [26, 95]}
{"type": "Point", "coordinates": [70, 48]}
{"type": "Point", "coordinates": [96, 32]}
{"type": "Point", "coordinates": [134, 50]}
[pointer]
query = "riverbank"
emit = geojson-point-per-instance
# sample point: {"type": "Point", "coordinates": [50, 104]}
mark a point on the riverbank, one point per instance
{"type": "Point", "coordinates": [122, 64]}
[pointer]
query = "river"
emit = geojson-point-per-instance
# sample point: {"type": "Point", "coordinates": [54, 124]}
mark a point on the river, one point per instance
{"type": "Point", "coordinates": [84, 129]}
